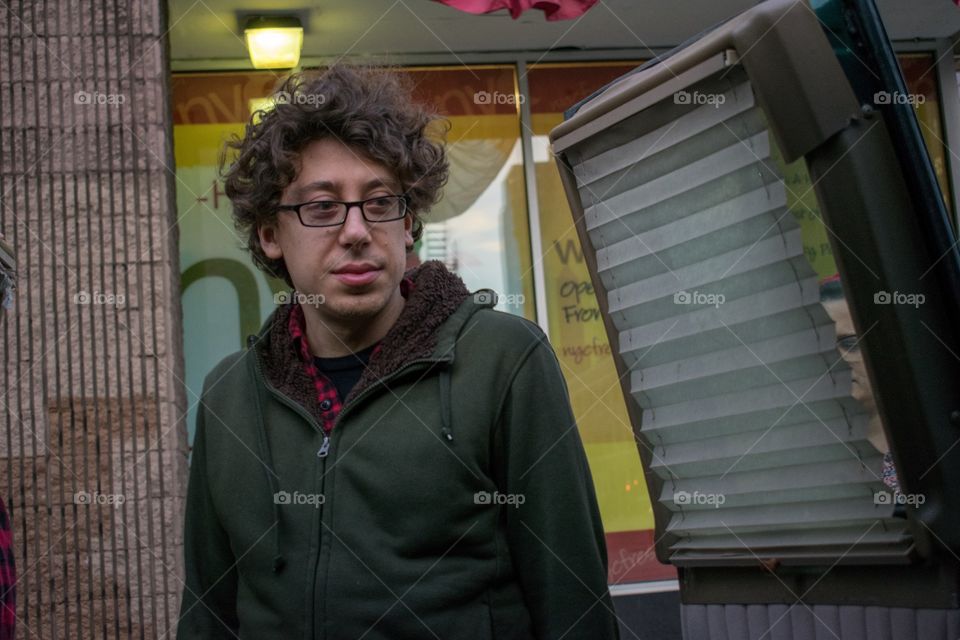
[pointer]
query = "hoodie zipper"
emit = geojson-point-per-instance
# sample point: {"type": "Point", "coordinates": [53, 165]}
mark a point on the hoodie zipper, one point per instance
{"type": "Point", "coordinates": [319, 481]}
{"type": "Point", "coordinates": [325, 446]}
{"type": "Point", "coordinates": [319, 609]}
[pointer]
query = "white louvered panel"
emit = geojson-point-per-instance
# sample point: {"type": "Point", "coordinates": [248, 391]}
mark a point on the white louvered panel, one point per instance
{"type": "Point", "coordinates": [712, 193]}
{"type": "Point", "coordinates": [748, 398]}
{"type": "Point", "coordinates": [783, 357]}
{"type": "Point", "coordinates": [813, 514]}
{"type": "Point", "coordinates": [767, 263]}
{"type": "Point", "coordinates": [848, 476]}
{"type": "Point", "coordinates": [739, 154]}
{"type": "Point", "coordinates": [701, 328]}
{"type": "Point", "coordinates": [894, 533]}
{"type": "Point", "coordinates": [803, 442]}
{"type": "Point", "coordinates": [823, 397]}
{"type": "Point", "coordinates": [735, 102]}
{"type": "Point", "coordinates": [756, 373]}
{"type": "Point", "coordinates": [646, 254]}
{"type": "Point", "coordinates": [851, 552]}
{"type": "Point", "coordinates": [786, 309]}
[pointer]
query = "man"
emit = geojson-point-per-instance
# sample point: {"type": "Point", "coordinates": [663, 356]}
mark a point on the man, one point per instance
{"type": "Point", "coordinates": [389, 458]}
{"type": "Point", "coordinates": [848, 343]}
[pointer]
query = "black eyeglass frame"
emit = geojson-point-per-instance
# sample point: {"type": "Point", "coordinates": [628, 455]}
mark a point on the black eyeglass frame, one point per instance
{"type": "Point", "coordinates": [403, 200]}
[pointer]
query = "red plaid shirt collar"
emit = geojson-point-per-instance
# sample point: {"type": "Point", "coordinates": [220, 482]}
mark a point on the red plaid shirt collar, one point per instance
{"type": "Point", "coordinates": [327, 398]}
{"type": "Point", "coordinates": [8, 578]}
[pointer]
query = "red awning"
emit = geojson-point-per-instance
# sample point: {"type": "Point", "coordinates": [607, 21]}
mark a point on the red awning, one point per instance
{"type": "Point", "coordinates": [553, 9]}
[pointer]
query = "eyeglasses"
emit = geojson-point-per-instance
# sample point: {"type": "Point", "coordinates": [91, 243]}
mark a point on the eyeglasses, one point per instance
{"type": "Point", "coordinates": [332, 213]}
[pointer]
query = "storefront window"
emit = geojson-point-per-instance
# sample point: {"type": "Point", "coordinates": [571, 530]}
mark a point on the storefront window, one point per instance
{"type": "Point", "coordinates": [578, 336]}
{"type": "Point", "coordinates": [920, 74]}
{"type": "Point", "coordinates": [480, 228]}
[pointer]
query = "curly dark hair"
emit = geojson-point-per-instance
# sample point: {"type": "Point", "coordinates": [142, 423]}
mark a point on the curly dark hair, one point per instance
{"type": "Point", "coordinates": [368, 108]}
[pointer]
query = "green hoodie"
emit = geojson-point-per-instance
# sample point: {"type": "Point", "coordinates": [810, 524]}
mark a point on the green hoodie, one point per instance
{"type": "Point", "coordinates": [455, 500]}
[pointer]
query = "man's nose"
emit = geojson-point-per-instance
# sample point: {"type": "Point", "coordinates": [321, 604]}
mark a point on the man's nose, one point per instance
{"type": "Point", "coordinates": [355, 227]}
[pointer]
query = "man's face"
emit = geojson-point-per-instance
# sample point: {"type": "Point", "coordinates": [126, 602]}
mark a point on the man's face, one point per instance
{"type": "Point", "coordinates": [849, 347]}
{"type": "Point", "coordinates": [316, 257]}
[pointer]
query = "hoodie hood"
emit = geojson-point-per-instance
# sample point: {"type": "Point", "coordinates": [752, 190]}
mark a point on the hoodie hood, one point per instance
{"type": "Point", "coordinates": [435, 312]}
{"type": "Point", "coordinates": [436, 296]}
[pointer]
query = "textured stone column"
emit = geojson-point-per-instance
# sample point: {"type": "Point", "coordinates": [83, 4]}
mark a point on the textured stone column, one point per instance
{"type": "Point", "coordinates": [92, 434]}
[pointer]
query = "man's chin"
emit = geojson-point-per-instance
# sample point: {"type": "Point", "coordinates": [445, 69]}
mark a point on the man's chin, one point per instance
{"type": "Point", "coordinates": [354, 306]}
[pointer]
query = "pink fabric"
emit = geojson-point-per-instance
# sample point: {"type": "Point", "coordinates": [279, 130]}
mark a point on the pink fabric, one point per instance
{"type": "Point", "coordinates": [553, 9]}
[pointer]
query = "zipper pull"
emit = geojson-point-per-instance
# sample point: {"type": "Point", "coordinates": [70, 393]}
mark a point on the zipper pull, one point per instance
{"type": "Point", "coordinates": [325, 447]}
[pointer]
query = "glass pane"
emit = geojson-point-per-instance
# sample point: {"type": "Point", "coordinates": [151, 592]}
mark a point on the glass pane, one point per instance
{"type": "Point", "coordinates": [920, 73]}
{"type": "Point", "coordinates": [224, 297]}
{"type": "Point", "coordinates": [480, 228]}
{"type": "Point", "coordinates": [577, 333]}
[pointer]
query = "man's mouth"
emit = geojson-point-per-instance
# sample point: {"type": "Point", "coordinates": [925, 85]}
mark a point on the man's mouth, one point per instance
{"type": "Point", "coordinates": [357, 274]}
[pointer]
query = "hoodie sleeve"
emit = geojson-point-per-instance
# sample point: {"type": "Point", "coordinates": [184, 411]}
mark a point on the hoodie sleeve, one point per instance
{"type": "Point", "coordinates": [556, 537]}
{"type": "Point", "coordinates": [208, 608]}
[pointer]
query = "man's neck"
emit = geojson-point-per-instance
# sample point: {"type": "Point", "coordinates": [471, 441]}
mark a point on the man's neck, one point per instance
{"type": "Point", "coordinates": [330, 339]}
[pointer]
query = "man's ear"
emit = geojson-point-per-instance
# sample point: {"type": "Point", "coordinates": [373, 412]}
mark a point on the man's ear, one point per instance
{"type": "Point", "coordinates": [268, 240]}
{"type": "Point", "coordinates": [408, 232]}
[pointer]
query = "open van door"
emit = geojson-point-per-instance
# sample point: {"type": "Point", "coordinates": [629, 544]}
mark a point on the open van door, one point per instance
{"type": "Point", "coordinates": [796, 497]}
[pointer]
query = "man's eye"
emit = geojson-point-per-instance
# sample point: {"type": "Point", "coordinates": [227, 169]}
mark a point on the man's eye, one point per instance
{"type": "Point", "coordinates": [848, 343]}
{"type": "Point", "coordinates": [322, 207]}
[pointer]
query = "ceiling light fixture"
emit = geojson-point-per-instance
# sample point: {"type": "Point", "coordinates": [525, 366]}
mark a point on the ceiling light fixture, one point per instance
{"type": "Point", "coordinates": [274, 42]}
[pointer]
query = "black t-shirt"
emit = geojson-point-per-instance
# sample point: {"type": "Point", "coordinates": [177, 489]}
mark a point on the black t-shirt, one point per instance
{"type": "Point", "coordinates": [344, 371]}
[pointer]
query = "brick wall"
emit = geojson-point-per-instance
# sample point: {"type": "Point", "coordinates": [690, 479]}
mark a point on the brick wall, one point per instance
{"type": "Point", "coordinates": [92, 434]}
